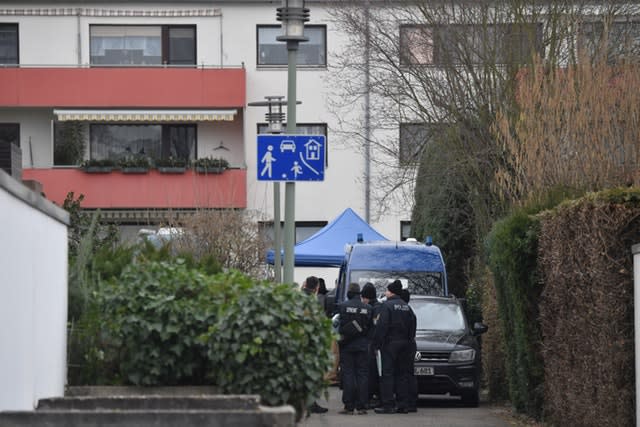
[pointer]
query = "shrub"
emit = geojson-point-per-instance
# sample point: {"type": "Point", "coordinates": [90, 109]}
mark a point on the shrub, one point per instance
{"type": "Point", "coordinates": [513, 245]}
{"type": "Point", "coordinates": [274, 342]}
{"type": "Point", "coordinates": [586, 309]}
{"type": "Point", "coordinates": [156, 311]}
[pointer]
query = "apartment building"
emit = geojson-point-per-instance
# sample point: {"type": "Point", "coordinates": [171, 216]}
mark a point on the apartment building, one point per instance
{"type": "Point", "coordinates": [125, 80]}
{"type": "Point", "coordinates": [163, 80]}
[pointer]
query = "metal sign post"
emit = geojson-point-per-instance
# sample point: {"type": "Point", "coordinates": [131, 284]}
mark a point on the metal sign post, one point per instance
{"type": "Point", "coordinates": [293, 15]}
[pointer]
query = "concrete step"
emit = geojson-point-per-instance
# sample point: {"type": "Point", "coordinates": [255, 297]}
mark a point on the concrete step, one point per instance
{"type": "Point", "coordinates": [87, 403]}
{"type": "Point", "coordinates": [272, 416]}
{"type": "Point", "coordinates": [161, 407]}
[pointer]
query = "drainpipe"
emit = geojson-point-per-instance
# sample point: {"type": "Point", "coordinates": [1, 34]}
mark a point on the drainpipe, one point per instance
{"type": "Point", "coordinates": [79, 36]}
{"type": "Point", "coordinates": [367, 120]}
{"type": "Point", "coordinates": [635, 249]}
{"type": "Point", "coordinates": [221, 45]}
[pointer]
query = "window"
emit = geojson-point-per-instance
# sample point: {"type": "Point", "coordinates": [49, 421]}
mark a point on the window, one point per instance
{"type": "Point", "coordinates": [10, 133]}
{"type": "Point", "coordinates": [271, 52]}
{"type": "Point", "coordinates": [68, 143]}
{"type": "Point", "coordinates": [304, 129]}
{"type": "Point", "coordinates": [303, 230]}
{"type": "Point", "coordinates": [414, 137]}
{"type": "Point", "coordinates": [458, 44]}
{"type": "Point", "coordinates": [9, 44]}
{"type": "Point", "coordinates": [405, 230]}
{"type": "Point", "coordinates": [143, 45]}
{"type": "Point", "coordinates": [153, 141]}
{"type": "Point", "coordinates": [620, 41]}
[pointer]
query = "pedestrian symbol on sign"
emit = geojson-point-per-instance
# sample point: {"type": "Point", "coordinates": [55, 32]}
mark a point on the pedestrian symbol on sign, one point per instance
{"type": "Point", "coordinates": [268, 159]}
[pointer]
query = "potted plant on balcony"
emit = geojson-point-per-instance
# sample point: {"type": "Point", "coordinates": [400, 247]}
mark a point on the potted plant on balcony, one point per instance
{"type": "Point", "coordinates": [134, 164]}
{"type": "Point", "coordinates": [211, 165]}
{"type": "Point", "coordinates": [171, 165]}
{"type": "Point", "coordinates": [98, 165]}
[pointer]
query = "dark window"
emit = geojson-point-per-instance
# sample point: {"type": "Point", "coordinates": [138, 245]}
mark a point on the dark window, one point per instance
{"type": "Point", "coordinates": [304, 129]}
{"type": "Point", "coordinates": [143, 45]}
{"type": "Point", "coordinates": [303, 230]}
{"type": "Point", "coordinates": [10, 133]}
{"type": "Point", "coordinates": [414, 137]}
{"type": "Point", "coordinates": [620, 41]}
{"type": "Point", "coordinates": [182, 45]}
{"type": "Point", "coordinates": [9, 44]}
{"type": "Point", "coordinates": [274, 52]}
{"type": "Point", "coordinates": [68, 143]}
{"type": "Point", "coordinates": [405, 230]}
{"type": "Point", "coordinates": [153, 141]}
{"type": "Point", "coordinates": [10, 153]}
{"type": "Point", "coordinates": [457, 44]}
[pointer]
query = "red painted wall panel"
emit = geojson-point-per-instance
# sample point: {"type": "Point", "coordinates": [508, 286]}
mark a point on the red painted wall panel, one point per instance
{"type": "Point", "coordinates": [122, 87]}
{"type": "Point", "coordinates": [151, 190]}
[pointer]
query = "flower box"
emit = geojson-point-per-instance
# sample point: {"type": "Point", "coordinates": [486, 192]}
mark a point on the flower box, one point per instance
{"type": "Point", "coordinates": [98, 165]}
{"type": "Point", "coordinates": [211, 165]}
{"type": "Point", "coordinates": [210, 169]}
{"type": "Point", "coordinates": [172, 169]}
{"type": "Point", "coordinates": [97, 169]}
{"type": "Point", "coordinates": [134, 170]}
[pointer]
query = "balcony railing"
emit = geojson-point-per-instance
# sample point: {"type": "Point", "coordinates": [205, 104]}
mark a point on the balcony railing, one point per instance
{"type": "Point", "coordinates": [151, 190]}
{"type": "Point", "coordinates": [122, 86]}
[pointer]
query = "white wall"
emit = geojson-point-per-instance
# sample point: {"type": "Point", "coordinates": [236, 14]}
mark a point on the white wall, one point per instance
{"type": "Point", "coordinates": [33, 302]}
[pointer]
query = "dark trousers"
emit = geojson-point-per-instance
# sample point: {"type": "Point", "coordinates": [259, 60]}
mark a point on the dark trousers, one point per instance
{"type": "Point", "coordinates": [374, 376]}
{"type": "Point", "coordinates": [354, 367]}
{"type": "Point", "coordinates": [394, 375]}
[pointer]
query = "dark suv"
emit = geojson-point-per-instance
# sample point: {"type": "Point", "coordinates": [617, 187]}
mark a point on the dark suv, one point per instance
{"type": "Point", "coordinates": [448, 356]}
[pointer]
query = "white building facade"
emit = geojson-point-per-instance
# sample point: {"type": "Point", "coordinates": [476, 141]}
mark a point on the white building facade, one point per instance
{"type": "Point", "coordinates": [172, 79]}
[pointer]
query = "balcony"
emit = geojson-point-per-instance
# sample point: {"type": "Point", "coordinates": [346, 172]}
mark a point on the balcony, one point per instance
{"type": "Point", "coordinates": [122, 87]}
{"type": "Point", "coordinates": [152, 190]}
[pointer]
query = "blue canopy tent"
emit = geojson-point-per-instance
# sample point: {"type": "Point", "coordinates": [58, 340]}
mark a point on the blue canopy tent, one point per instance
{"type": "Point", "coordinates": [326, 247]}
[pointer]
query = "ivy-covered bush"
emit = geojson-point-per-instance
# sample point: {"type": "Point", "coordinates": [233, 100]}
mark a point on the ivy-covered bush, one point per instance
{"type": "Point", "coordinates": [512, 247]}
{"type": "Point", "coordinates": [156, 311]}
{"type": "Point", "coordinates": [273, 341]}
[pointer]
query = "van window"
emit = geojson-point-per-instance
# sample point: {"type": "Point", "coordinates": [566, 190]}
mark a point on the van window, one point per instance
{"type": "Point", "coordinates": [418, 282]}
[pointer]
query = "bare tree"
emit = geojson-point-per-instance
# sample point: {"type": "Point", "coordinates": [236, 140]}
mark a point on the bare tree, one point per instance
{"type": "Point", "coordinates": [431, 65]}
{"type": "Point", "coordinates": [578, 128]}
{"type": "Point", "coordinates": [421, 68]}
{"type": "Point", "coordinates": [232, 237]}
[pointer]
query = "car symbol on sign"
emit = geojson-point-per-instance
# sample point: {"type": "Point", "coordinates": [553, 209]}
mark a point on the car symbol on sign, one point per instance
{"type": "Point", "coordinates": [287, 144]}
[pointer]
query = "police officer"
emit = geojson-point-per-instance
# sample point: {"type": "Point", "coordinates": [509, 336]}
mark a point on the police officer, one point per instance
{"type": "Point", "coordinates": [355, 322]}
{"type": "Point", "coordinates": [413, 381]}
{"type": "Point", "coordinates": [369, 296]}
{"type": "Point", "coordinates": [392, 337]}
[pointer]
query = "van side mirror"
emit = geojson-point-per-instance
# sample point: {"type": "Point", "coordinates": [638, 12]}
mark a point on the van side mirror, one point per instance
{"type": "Point", "coordinates": [479, 328]}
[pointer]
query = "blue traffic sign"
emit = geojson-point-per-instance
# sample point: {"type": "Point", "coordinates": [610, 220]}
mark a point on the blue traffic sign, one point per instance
{"type": "Point", "coordinates": [291, 157]}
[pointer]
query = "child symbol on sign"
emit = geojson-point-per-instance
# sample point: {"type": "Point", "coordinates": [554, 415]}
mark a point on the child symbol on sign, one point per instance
{"type": "Point", "coordinates": [296, 169]}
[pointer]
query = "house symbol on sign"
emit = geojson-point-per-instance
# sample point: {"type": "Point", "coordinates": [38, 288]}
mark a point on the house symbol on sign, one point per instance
{"type": "Point", "coordinates": [312, 150]}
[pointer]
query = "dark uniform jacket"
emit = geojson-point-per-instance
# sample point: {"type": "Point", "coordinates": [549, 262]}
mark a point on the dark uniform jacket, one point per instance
{"type": "Point", "coordinates": [355, 323]}
{"type": "Point", "coordinates": [376, 306]}
{"type": "Point", "coordinates": [396, 322]}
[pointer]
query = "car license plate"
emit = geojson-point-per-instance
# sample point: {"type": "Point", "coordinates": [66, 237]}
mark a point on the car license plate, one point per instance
{"type": "Point", "coordinates": [423, 370]}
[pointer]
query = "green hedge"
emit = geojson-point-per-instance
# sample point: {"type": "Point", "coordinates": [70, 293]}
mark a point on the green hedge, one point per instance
{"type": "Point", "coordinates": [512, 247]}
{"type": "Point", "coordinates": [164, 323]}
{"type": "Point", "coordinates": [155, 312]}
{"type": "Point", "coordinates": [274, 341]}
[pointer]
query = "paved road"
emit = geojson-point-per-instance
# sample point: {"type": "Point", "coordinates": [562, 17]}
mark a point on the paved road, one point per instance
{"type": "Point", "coordinates": [431, 412]}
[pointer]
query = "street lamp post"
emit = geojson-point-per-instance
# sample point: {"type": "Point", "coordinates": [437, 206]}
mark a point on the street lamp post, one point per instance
{"type": "Point", "coordinates": [275, 118]}
{"type": "Point", "coordinates": [293, 15]}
